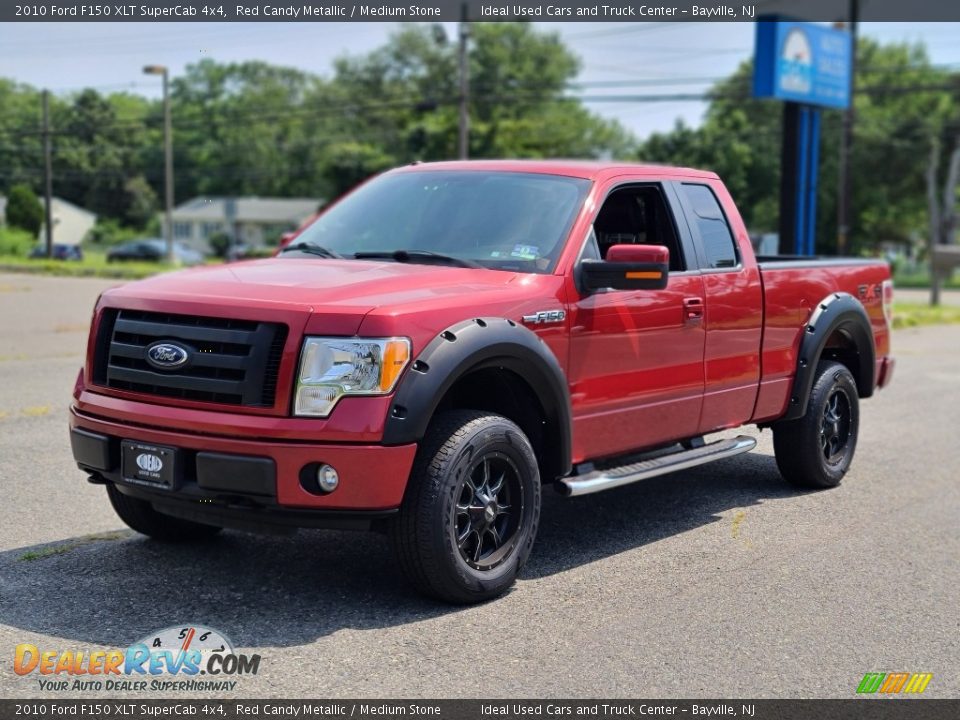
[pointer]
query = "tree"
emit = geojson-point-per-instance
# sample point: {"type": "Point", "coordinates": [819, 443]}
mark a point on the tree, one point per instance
{"type": "Point", "coordinates": [24, 210]}
{"type": "Point", "coordinates": [141, 202]}
{"type": "Point", "coordinates": [901, 100]}
{"type": "Point", "coordinates": [406, 94]}
{"type": "Point", "coordinates": [943, 214]}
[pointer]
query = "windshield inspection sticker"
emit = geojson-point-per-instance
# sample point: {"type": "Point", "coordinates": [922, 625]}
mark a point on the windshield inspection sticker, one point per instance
{"type": "Point", "coordinates": [525, 252]}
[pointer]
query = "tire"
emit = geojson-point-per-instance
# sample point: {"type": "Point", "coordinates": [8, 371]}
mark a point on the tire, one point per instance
{"type": "Point", "coordinates": [139, 515]}
{"type": "Point", "coordinates": [470, 514]}
{"type": "Point", "coordinates": [815, 451]}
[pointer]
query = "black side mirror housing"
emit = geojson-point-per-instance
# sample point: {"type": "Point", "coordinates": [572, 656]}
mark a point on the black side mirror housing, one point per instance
{"type": "Point", "coordinates": [627, 267]}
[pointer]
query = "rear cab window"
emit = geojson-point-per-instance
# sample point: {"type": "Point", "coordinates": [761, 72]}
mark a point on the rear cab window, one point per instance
{"type": "Point", "coordinates": [708, 221]}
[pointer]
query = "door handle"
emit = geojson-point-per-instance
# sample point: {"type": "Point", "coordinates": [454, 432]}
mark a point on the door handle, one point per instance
{"type": "Point", "coordinates": [693, 309]}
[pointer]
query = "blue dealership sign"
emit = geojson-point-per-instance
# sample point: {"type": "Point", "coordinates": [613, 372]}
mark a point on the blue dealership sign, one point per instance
{"type": "Point", "coordinates": [802, 62]}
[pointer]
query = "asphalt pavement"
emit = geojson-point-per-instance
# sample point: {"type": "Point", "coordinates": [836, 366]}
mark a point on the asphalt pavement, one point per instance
{"type": "Point", "coordinates": [719, 582]}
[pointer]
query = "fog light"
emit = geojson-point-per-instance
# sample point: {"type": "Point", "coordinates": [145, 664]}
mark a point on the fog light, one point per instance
{"type": "Point", "coordinates": [327, 478]}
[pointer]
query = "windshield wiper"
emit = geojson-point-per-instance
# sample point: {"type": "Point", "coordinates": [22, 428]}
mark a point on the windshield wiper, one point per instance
{"type": "Point", "coordinates": [312, 249]}
{"type": "Point", "coordinates": [405, 256]}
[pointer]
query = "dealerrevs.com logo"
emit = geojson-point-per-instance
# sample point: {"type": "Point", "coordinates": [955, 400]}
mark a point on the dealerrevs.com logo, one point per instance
{"type": "Point", "coordinates": [183, 657]}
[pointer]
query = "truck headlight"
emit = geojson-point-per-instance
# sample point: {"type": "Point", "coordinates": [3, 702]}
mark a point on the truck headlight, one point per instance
{"type": "Point", "coordinates": [333, 367]}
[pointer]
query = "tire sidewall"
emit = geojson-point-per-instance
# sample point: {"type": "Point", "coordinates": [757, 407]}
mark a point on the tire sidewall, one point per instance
{"type": "Point", "coordinates": [506, 439]}
{"type": "Point", "coordinates": [836, 377]}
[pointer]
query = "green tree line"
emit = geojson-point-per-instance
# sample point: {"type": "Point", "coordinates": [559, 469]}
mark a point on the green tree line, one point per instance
{"type": "Point", "coordinates": [258, 129]}
{"type": "Point", "coordinates": [255, 128]}
{"type": "Point", "coordinates": [903, 105]}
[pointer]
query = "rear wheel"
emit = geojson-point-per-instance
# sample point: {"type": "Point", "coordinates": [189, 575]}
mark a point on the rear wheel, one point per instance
{"type": "Point", "coordinates": [139, 515]}
{"type": "Point", "coordinates": [816, 450]}
{"type": "Point", "coordinates": [470, 514]}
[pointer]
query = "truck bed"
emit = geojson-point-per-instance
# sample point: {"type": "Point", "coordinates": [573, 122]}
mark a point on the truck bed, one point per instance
{"type": "Point", "coordinates": [789, 299]}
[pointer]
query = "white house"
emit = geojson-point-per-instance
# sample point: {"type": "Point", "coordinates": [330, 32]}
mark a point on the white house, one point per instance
{"type": "Point", "coordinates": [70, 222]}
{"type": "Point", "coordinates": [255, 221]}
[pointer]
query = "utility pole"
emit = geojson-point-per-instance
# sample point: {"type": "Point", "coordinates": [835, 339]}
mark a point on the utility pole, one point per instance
{"type": "Point", "coordinates": [47, 175]}
{"type": "Point", "coordinates": [845, 179]}
{"type": "Point", "coordinates": [464, 125]}
{"type": "Point", "coordinates": [167, 158]}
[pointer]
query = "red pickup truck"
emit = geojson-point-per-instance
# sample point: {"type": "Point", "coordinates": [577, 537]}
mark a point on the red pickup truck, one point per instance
{"type": "Point", "coordinates": [449, 337]}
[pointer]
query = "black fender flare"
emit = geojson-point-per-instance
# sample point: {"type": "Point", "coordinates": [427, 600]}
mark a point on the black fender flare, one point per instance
{"type": "Point", "coordinates": [475, 344]}
{"type": "Point", "coordinates": [838, 311]}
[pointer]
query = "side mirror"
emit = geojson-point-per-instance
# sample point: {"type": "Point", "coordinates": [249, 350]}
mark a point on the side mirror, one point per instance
{"type": "Point", "coordinates": [627, 267]}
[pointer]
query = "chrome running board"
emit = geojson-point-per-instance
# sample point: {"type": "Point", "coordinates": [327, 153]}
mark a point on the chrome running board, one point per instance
{"type": "Point", "coordinates": [625, 474]}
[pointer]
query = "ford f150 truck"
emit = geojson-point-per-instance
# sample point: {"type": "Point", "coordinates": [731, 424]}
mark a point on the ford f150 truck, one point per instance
{"type": "Point", "coordinates": [449, 337]}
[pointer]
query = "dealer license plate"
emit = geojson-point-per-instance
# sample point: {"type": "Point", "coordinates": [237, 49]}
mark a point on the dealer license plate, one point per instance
{"type": "Point", "coordinates": [148, 464]}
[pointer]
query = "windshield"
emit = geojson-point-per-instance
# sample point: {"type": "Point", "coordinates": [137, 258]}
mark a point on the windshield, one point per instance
{"type": "Point", "coordinates": [500, 220]}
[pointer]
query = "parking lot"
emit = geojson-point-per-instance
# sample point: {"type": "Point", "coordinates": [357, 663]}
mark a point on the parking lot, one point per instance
{"type": "Point", "coordinates": [719, 582]}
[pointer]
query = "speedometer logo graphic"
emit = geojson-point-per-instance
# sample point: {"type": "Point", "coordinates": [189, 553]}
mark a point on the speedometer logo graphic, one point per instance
{"type": "Point", "coordinates": [181, 638]}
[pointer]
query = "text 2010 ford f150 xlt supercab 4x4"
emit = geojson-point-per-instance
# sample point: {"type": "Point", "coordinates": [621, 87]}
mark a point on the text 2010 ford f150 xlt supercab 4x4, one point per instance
{"type": "Point", "coordinates": [448, 337]}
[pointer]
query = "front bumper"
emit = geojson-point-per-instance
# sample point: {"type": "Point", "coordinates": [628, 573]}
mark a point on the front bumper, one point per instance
{"type": "Point", "coordinates": [217, 473]}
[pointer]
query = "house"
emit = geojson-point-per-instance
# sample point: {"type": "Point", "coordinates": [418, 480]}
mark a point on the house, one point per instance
{"type": "Point", "coordinates": [255, 221]}
{"type": "Point", "coordinates": [70, 222]}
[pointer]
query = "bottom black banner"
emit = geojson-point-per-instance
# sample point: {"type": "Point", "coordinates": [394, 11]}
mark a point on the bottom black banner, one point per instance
{"type": "Point", "coordinates": [852, 709]}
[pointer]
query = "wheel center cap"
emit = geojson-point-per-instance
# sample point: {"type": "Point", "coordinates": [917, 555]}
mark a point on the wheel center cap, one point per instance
{"type": "Point", "coordinates": [490, 513]}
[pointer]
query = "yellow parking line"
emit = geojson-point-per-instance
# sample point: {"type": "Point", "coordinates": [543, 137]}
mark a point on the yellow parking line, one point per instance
{"type": "Point", "coordinates": [36, 410]}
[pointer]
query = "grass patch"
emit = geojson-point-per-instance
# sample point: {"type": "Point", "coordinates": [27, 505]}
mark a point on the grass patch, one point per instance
{"type": "Point", "coordinates": [45, 553]}
{"type": "Point", "coordinates": [14, 241]}
{"type": "Point", "coordinates": [921, 281]}
{"type": "Point", "coordinates": [53, 550]}
{"type": "Point", "coordinates": [94, 264]}
{"type": "Point", "coordinates": [915, 314]}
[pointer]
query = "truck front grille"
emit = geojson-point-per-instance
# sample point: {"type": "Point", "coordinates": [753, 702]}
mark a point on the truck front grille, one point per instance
{"type": "Point", "coordinates": [233, 362]}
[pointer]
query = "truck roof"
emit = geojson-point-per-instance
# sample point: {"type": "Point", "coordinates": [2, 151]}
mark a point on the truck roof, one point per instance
{"type": "Point", "coordinates": [589, 169]}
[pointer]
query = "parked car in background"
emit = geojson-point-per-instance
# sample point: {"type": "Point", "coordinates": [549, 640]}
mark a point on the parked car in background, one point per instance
{"type": "Point", "coordinates": [153, 250]}
{"type": "Point", "coordinates": [60, 252]}
{"type": "Point", "coordinates": [238, 251]}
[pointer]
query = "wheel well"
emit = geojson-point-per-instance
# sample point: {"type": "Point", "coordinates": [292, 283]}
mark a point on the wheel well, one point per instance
{"type": "Point", "coordinates": [841, 347]}
{"type": "Point", "coordinates": [505, 393]}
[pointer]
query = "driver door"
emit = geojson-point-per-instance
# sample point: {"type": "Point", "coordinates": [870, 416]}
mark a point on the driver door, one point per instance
{"type": "Point", "coordinates": [636, 356]}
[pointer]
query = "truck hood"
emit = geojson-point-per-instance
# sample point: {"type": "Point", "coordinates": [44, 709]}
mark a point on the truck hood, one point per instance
{"type": "Point", "coordinates": [342, 291]}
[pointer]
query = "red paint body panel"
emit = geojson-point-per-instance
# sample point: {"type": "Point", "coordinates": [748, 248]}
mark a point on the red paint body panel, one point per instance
{"type": "Point", "coordinates": [734, 328]}
{"type": "Point", "coordinates": [372, 477]}
{"type": "Point", "coordinates": [790, 297]}
{"type": "Point", "coordinates": [635, 369]}
{"type": "Point", "coordinates": [642, 368]}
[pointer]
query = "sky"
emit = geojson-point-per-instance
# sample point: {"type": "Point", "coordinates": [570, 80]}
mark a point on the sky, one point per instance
{"type": "Point", "coordinates": [653, 57]}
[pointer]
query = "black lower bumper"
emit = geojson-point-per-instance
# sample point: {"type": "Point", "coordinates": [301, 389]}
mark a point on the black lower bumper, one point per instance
{"type": "Point", "coordinates": [227, 490]}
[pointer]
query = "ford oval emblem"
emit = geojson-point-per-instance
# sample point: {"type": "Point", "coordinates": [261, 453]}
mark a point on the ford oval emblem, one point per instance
{"type": "Point", "coordinates": [167, 355]}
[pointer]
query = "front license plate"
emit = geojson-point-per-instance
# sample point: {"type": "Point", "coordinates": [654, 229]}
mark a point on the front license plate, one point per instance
{"type": "Point", "coordinates": [148, 464]}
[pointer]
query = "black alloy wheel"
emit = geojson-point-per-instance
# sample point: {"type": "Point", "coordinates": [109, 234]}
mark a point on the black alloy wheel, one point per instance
{"type": "Point", "coordinates": [488, 512]}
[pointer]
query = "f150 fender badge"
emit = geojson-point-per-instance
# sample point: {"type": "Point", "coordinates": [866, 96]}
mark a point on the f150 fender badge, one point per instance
{"type": "Point", "coordinates": [545, 316]}
{"type": "Point", "coordinates": [167, 355]}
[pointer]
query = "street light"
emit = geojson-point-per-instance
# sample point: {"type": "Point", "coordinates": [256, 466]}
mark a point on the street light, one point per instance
{"type": "Point", "coordinates": [167, 156]}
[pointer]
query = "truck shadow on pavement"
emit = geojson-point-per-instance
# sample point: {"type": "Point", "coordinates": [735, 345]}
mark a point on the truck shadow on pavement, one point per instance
{"type": "Point", "coordinates": [112, 589]}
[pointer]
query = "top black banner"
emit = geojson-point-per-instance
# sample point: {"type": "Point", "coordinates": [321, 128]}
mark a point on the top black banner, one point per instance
{"type": "Point", "coordinates": [473, 10]}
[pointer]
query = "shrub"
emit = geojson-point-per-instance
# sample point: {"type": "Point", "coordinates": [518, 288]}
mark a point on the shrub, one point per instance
{"type": "Point", "coordinates": [220, 244]}
{"type": "Point", "coordinates": [14, 241]}
{"type": "Point", "coordinates": [24, 210]}
{"type": "Point", "coordinates": [108, 232]}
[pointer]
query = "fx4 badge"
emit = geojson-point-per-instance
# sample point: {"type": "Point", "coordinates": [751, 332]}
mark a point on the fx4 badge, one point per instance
{"type": "Point", "coordinates": [545, 316]}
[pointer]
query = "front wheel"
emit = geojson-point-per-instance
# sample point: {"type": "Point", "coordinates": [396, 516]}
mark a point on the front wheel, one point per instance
{"type": "Point", "coordinates": [470, 514]}
{"type": "Point", "coordinates": [816, 450]}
